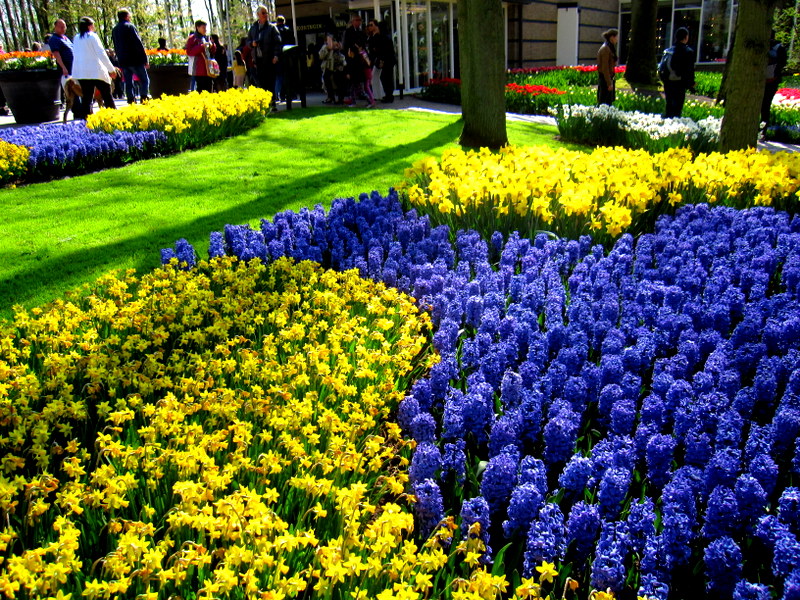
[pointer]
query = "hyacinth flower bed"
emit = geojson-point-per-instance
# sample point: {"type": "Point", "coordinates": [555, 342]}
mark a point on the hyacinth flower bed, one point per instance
{"type": "Point", "coordinates": [602, 193]}
{"type": "Point", "coordinates": [608, 126]}
{"type": "Point", "coordinates": [115, 137]}
{"type": "Point", "coordinates": [189, 120]}
{"type": "Point", "coordinates": [624, 419]}
{"type": "Point", "coordinates": [70, 148]}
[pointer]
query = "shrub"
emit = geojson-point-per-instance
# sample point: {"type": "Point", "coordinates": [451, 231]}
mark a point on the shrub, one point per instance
{"type": "Point", "coordinates": [707, 83]}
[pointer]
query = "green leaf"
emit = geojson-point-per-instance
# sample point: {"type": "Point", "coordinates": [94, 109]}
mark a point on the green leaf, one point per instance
{"type": "Point", "coordinates": [499, 568]}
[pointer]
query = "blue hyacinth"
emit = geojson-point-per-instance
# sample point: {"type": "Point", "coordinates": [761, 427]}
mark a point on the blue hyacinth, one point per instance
{"type": "Point", "coordinates": [429, 508]}
{"type": "Point", "coordinates": [723, 559]}
{"type": "Point", "coordinates": [674, 355]}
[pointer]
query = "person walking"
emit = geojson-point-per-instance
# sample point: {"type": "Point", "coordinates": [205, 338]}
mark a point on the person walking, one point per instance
{"type": "Point", "coordinates": [606, 62]}
{"type": "Point", "coordinates": [677, 73]}
{"type": "Point", "coordinates": [200, 48]}
{"type": "Point", "coordinates": [221, 56]}
{"type": "Point", "coordinates": [247, 56]}
{"type": "Point", "coordinates": [91, 67]}
{"type": "Point", "coordinates": [381, 51]}
{"type": "Point", "coordinates": [287, 39]}
{"type": "Point", "coordinates": [265, 40]}
{"type": "Point", "coordinates": [239, 69]}
{"type": "Point", "coordinates": [777, 58]}
{"type": "Point", "coordinates": [332, 65]}
{"type": "Point", "coordinates": [131, 56]}
{"type": "Point", "coordinates": [61, 49]}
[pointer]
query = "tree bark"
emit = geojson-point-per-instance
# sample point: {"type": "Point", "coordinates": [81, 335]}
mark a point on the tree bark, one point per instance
{"type": "Point", "coordinates": [36, 31]}
{"type": "Point", "coordinates": [745, 82]}
{"type": "Point", "coordinates": [481, 43]}
{"type": "Point", "coordinates": [42, 9]}
{"type": "Point", "coordinates": [642, 59]}
{"type": "Point", "coordinates": [22, 19]}
{"type": "Point", "coordinates": [9, 31]}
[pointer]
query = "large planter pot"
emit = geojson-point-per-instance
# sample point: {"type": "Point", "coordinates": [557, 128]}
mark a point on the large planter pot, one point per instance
{"type": "Point", "coordinates": [169, 80]}
{"type": "Point", "coordinates": [32, 96]}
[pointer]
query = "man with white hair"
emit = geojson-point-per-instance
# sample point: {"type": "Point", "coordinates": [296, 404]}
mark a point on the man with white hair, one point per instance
{"type": "Point", "coordinates": [266, 43]}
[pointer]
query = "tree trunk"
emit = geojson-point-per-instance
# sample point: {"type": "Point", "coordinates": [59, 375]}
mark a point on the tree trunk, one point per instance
{"type": "Point", "coordinates": [481, 43]}
{"type": "Point", "coordinates": [42, 8]}
{"type": "Point", "coordinates": [191, 17]}
{"type": "Point", "coordinates": [642, 59]}
{"type": "Point", "coordinates": [168, 18]}
{"type": "Point", "coordinates": [9, 41]}
{"type": "Point", "coordinates": [22, 19]}
{"type": "Point", "coordinates": [745, 82]}
{"type": "Point", "coordinates": [36, 31]}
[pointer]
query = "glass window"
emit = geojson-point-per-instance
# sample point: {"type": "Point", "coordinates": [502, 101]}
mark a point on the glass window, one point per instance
{"type": "Point", "coordinates": [418, 44]}
{"type": "Point", "coordinates": [689, 18]}
{"type": "Point", "coordinates": [442, 31]}
{"type": "Point", "coordinates": [716, 19]}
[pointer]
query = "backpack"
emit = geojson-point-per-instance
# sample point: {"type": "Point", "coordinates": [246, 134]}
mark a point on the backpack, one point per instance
{"type": "Point", "coordinates": [665, 70]}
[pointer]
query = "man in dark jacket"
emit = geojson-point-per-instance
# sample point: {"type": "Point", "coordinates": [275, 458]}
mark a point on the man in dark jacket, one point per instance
{"type": "Point", "coordinates": [131, 55]}
{"type": "Point", "coordinates": [287, 39]}
{"type": "Point", "coordinates": [681, 77]}
{"type": "Point", "coordinates": [265, 41]}
{"type": "Point", "coordinates": [381, 53]}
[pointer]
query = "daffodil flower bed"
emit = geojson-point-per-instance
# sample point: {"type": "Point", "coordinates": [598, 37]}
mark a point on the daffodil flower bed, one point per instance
{"type": "Point", "coordinates": [13, 162]}
{"type": "Point", "coordinates": [211, 433]}
{"type": "Point", "coordinates": [605, 192]}
{"type": "Point", "coordinates": [189, 120]}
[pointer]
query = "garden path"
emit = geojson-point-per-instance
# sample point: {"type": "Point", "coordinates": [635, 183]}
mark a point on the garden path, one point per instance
{"type": "Point", "coordinates": [409, 102]}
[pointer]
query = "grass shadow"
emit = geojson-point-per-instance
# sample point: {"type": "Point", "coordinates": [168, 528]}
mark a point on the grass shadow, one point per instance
{"type": "Point", "coordinates": [267, 186]}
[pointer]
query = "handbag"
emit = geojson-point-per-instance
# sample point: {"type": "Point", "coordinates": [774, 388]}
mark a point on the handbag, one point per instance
{"type": "Point", "coordinates": [212, 67]}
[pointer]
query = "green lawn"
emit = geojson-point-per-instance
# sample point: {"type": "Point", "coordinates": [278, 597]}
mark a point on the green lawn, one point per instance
{"type": "Point", "coordinates": [61, 234]}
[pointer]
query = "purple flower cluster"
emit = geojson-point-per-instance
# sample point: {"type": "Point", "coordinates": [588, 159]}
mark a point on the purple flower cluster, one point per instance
{"type": "Point", "coordinates": [70, 148]}
{"type": "Point", "coordinates": [657, 381]}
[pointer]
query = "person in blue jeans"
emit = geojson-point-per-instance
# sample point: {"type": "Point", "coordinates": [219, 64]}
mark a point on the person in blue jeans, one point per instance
{"type": "Point", "coordinates": [131, 56]}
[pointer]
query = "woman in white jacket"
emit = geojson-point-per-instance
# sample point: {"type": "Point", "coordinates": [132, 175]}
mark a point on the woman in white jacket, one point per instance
{"type": "Point", "coordinates": [91, 67]}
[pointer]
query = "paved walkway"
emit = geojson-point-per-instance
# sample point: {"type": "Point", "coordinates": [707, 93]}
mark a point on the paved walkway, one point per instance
{"type": "Point", "coordinates": [413, 103]}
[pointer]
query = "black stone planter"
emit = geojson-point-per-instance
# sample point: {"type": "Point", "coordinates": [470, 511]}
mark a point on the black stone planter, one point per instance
{"type": "Point", "coordinates": [32, 96]}
{"type": "Point", "coordinates": [169, 80]}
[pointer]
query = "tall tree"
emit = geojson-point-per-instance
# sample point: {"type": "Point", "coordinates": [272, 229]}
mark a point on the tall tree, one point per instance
{"type": "Point", "coordinates": [22, 18]}
{"type": "Point", "coordinates": [744, 87]}
{"type": "Point", "coordinates": [481, 43]}
{"type": "Point", "coordinates": [9, 20]}
{"type": "Point", "coordinates": [641, 63]}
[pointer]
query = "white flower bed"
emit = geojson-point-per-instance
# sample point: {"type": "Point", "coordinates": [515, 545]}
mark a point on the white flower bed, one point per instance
{"type": "Point", "coordinates": [606, 125]}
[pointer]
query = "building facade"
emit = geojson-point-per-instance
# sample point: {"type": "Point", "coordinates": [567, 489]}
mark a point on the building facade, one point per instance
{"type": "Point", "coordinates": [538, 32]}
